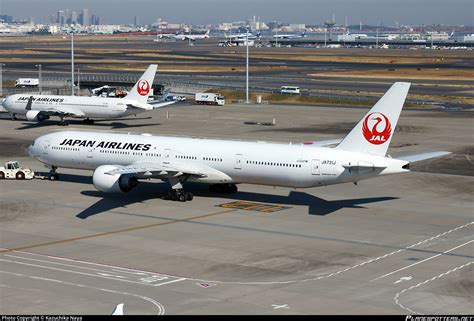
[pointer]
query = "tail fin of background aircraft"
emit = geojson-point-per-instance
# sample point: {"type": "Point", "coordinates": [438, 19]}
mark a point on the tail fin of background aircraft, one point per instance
{"type": "Point", "coordinates": [373, 133]}
{"type": "Point", "coordinates": [142, 89]}
{"type": "Point", "coordinates": [118, 309]}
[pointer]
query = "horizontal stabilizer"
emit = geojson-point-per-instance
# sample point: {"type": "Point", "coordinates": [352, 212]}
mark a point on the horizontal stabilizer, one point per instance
{"type": "Point", "coordinates": [162, 104]}
{"type": "Point", "coordinates": [137, 104]}
{"type": "Point", "coordinates": [422, 156]}
{"type": "Point", "coordinates": [323, 143]}
{"type": "Point", "coordinates": [118, 309]}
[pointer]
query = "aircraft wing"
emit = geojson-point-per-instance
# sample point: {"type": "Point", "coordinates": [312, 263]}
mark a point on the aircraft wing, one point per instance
{"type": "Point", "coordinates": [57, 111]}
{"type": "Point", "coordinates": [422, 156]}
{"type": "Point", "coordinates": [166, 171]}
{"type": "Point", "coordinates": [64, 111]}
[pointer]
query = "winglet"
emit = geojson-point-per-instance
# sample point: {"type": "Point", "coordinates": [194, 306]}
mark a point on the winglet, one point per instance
{"type": "Point", "coordinates": [118, 309]}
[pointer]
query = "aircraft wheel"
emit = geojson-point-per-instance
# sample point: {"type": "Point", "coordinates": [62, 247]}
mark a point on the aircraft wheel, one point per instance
{"type": "Point", "coordinates": [189, 196]}
{"type": "Point", "coordinates": [53, 177]}
{"type": "Point", "coordinates": [182, 197]}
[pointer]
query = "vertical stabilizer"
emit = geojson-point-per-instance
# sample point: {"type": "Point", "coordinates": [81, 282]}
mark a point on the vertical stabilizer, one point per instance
{"type": "Point", "coordinates": [373, 133]}
{"type": "Point", "coordinates": [142, 89]}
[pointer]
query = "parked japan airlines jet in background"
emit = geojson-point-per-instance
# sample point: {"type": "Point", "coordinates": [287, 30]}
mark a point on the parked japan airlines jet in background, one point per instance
{"type": "Point", "coordinates": [119, 161]}
{"type": "Point", "coordinates": [42, 107]}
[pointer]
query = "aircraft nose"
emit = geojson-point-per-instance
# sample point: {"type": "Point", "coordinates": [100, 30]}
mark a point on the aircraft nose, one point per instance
{"type": "Point", "coordinates": [7, 103]}
{"type": "Point", "coordinates": [33, 148]}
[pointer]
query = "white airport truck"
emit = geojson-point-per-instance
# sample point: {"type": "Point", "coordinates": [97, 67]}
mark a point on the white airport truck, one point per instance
{"type": "Point", "coordinates": [12, 170]}
{"type": "Point", "coordinates": [209, 99]}
{"type": "Point", "coordinates": [27, 82]}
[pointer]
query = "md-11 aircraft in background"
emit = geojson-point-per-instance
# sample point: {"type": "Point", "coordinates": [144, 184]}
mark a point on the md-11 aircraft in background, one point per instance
{"type": "Point", "coordinates": [41, 107]}
{"type": "Point", "coordinates": [120, 161]}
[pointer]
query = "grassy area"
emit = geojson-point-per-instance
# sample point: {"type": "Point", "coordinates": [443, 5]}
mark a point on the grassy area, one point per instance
{"type": "Point", "coordinates": [405, 73]}
{"type": "Point", "coordinates": [235, 95]}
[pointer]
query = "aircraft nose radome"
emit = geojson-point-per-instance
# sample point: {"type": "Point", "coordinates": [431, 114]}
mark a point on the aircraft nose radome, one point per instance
{"type": "Point", "coordinates": [7, 103]}
{"type": "Point", "coordinates": [32, 148]}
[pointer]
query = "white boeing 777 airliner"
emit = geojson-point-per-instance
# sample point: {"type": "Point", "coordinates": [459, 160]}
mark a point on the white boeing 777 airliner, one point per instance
{"type": "Point", "coordinates": [120, 160]}
{"type": "Point", "coordinates": [42, 107]}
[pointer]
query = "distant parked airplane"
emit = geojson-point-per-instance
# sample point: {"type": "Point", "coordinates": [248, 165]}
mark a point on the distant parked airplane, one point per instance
{"type": "Point", "coordinates": [41, 107]}
{"type": "Point", "coordinates": [242, 36]}
{"type": "Point", "coordinates": [192, 37]}
{"type": "Point", "coordinates": [289, 36]}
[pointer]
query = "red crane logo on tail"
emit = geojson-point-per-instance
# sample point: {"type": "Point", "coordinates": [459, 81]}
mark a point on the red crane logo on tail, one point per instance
{"type": "Point", "coordinates": [371, 128]}
{"type": "Point", "coordinates": [143, 87]}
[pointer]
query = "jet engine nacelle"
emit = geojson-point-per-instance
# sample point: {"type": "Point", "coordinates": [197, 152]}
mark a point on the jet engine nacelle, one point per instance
{"type": "Point", "coordinates": [119, 183]}
{"type": "Point", "coordinates": [36, 115]}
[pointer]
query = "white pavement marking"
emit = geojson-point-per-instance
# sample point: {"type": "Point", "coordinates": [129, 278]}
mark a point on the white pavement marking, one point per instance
{"type": "Point", "coordinates": [127, 270]}
{"type": "Point", "coordinates": [74, 272]}
{"type": "Point", "coordinates": [397, 296]}
{"type": "Point", "coordinates": [340, 271]}
{"type": "Point", "coordinates": [173, 281]}
{"type": "Point", "coordinates": [150, 277]}
{"type": "Point", "coordinates": [403, 278]}
{"type": "Point", "coordinates": [161, 309]}
{"type": "Point", "coordinates": [422, 261]}
{"type": "Point", "coordinates": [295, 281]}
{"type": "Point", "coordinates": [283, 306]}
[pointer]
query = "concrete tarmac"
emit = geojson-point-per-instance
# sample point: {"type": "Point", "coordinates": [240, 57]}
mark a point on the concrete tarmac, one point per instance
{"type": "Point", "coordinates": [400, 244]}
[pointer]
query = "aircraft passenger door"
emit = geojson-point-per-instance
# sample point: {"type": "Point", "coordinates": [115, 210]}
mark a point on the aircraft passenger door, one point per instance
{"type": "Point", "coordinates": [166, 156]}
{"type": "Point", "coordinates": [316, 167]}
{"type": "Point", "coordinates": [238, 161]}
{"type": "Point", "coordinates": [46, 147]}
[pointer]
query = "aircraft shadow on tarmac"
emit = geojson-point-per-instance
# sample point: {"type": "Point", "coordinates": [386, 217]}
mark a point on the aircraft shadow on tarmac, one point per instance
{"type": "Point", "coordinates": [97, 122]}
{"type": "Point", "coordinates": [316, 205]}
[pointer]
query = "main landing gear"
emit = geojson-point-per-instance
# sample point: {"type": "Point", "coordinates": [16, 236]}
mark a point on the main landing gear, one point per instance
{"type": "Point", "coordinates": [177, 193]}
{"type": "Point", "coordinates": [88, 121]}
{"type": "Point", "coordinates": [53, 176]}
{"type": "Point", "coordinates": [63, 122]}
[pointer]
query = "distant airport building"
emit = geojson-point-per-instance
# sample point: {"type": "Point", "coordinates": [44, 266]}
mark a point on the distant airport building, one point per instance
{"type": "Point", "coordinates": [297, 27]}
{"type": "Point", "coordinates": [466, 38]}
{"type": "Point", "coordinates": [351, 37]}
